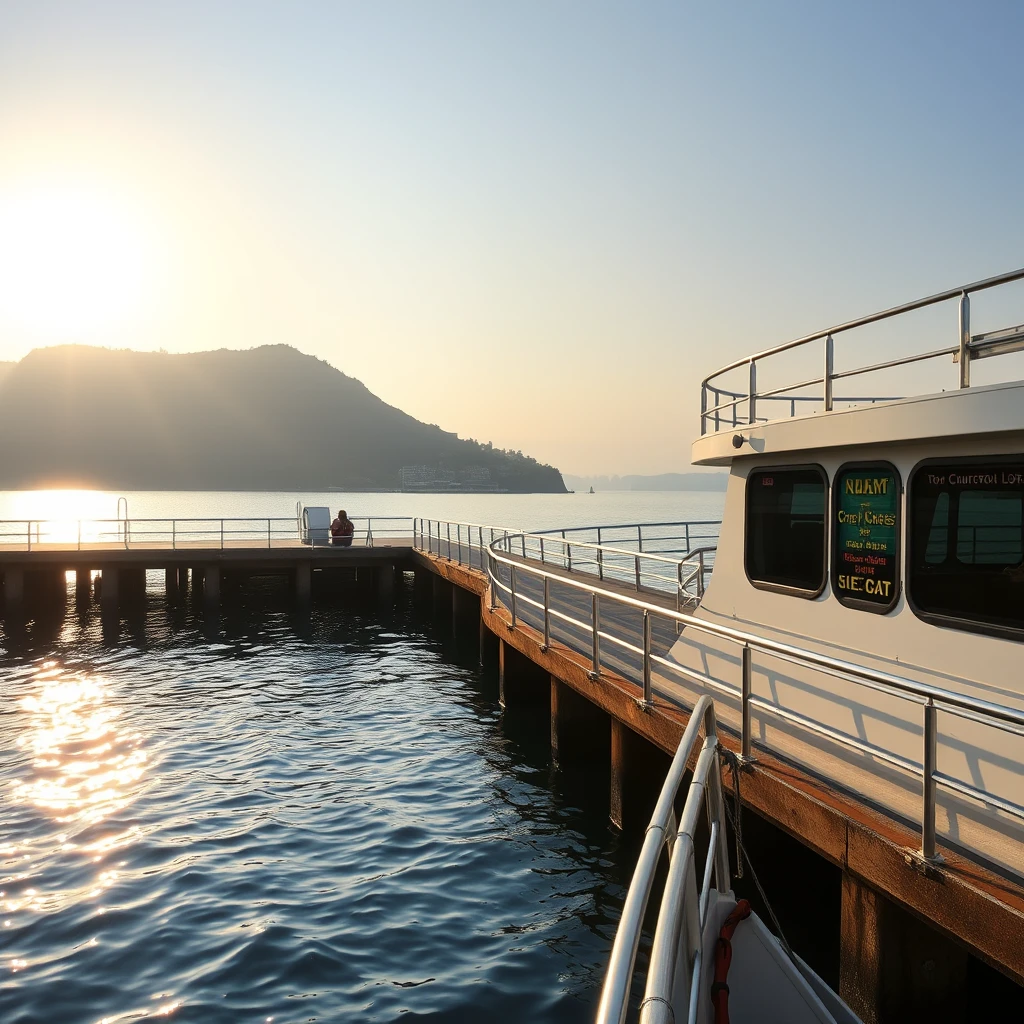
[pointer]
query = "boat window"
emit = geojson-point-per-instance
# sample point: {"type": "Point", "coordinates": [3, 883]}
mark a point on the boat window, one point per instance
{"type": "Point", "coordinates": [966, 565]}
{"type": "Point", "coordinates": [785, 546]}
{"type": "Point", "coordinates": [865, 532]}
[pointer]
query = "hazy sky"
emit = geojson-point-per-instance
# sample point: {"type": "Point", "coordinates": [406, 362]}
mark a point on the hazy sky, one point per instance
{"type": "Point", "coordinates": [539, 224]}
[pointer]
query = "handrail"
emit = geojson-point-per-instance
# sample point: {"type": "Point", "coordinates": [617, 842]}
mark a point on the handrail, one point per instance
{"type": "Point", "coordinates": [445, 538]}
{"type": "Point", "coordinates": [931, 698]}
{"type": "Point", "coordinates": [994, 343]}
{"type": "Point", "coordinates": [78, 534]}
{"type": "Point", "coordinates": [683, 905]}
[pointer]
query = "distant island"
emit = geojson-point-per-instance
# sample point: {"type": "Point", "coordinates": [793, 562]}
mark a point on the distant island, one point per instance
{"type": "Point", "coordinates": [269, 418]}
{"type": "Point", "coordinates": [710, 481]}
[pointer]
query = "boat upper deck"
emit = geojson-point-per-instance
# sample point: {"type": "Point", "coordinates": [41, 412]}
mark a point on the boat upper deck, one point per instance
{"type": "Point", "coordinates": [773, 385]}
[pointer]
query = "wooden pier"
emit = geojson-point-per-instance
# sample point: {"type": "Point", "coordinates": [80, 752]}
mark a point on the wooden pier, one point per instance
{"type": "Point", "coordinates": [906, 932]}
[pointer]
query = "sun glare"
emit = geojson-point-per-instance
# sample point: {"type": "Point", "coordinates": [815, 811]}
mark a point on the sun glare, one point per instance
{"type": "Point", "coordinates": [74, 261]}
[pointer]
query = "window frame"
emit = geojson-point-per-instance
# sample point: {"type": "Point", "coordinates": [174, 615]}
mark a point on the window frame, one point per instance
{"type": "Point", "coordinates": [936, 618]}
{"type": "Point", "coordinates": [853, 602]}
{"type": "Point", "coordinates": [780, 588]}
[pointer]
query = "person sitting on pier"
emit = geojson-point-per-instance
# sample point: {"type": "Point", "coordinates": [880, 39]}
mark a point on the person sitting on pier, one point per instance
{"type": "Point", "coordinates": [341, 530]}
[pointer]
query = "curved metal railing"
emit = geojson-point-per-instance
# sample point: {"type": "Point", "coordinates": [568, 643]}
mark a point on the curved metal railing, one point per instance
{"type": "Point", "coordinates": [636, 661]}
{"type": "Point", "coordinates": [683, 906]}
{"type": "Point", "coordinates": [684, 576]}
{"type": "Point", "coordinates": [742, 406]}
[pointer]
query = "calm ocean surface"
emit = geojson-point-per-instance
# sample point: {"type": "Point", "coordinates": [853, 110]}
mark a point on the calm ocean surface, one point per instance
{"type": "Point", "coordinates": [294, 818]}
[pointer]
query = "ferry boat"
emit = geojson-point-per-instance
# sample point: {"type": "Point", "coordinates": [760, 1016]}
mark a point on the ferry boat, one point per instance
{"type": "Point", "coordinates": [868, 597]}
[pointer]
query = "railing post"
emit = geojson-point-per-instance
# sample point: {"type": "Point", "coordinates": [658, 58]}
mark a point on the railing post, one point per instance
{"type": "Point", "coordinates": [568, 552]}
{"type": "Point", "coordinates": [268, 534]}
{"type": "Point", "coordinates": [703, 408]}
{"type": "Point", "coordinates": [752, 401]}
{"type": "Point", "coordinates": [512, 574]}
{"type": "Point", "coordinates": [174, 534]}
{"type": "Point", "coordinates": [829, 370]}
{"type": "Point", "coordinates": [222, 535]}
{"type": "Point", "coordinates": [639, 538]}
{"type": "Point", "coordinates": [595, 619]}
{"type": "Point", "coordinates": [647, 659]}
{"type": "Point", "coordinates": [458, 539]}
{"type": "Point", "coordinates": [600, 563]}
{"type": "Point", "coordinates": [965, 340]}
{"type": "Point", "coordinates": [745, 707]}
{"type": "Point", "coordinates": [542, 552]}
{"type": "Point", "coordinates": [491, 586]}
{"type": "Point", "coordinates": [686, 527]}
{"type": "Point", "coordinates": [636, 571]}
{"type": "Point", "coordinates": [547, 613]}
{"type": "Point", "coordinates": [929, 765]}
{"type": "Point", "coordinates": [29, 526]}
{"type": "Point", "coordinates": [679, 590]}
{"type": "Point", "coordinates": [700, 575]}
{"type": "Point", "coordinates": [522, 540]}
{"type": "Point", "coordinates": [448, 528]}
{"type": "Point", "coordinates": [79, 534]}
{"type": "Point", "coordinates": [430, 536]}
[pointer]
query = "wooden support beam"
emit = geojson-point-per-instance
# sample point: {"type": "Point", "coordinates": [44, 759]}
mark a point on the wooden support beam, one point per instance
{"type": "Point", "coordinates": [302, 582]}
{"type": "Point", "coordinates": [894, 967]}
{"type": "Point", "coordinates": [109, 587]}
{"type": "Point", "coordinates": [211, 586]}
{"type": "Point", "coordinates": [520, 681]}
{"type": "Point", "coordinates": [638, 770]}
{"type": "Point", "coordinates": [83, 585]}
{"type": "Point", "coordinates": [14, 589]}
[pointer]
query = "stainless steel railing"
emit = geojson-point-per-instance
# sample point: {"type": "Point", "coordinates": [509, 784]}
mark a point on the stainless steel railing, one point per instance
{"type": "Point", "coordinates": [641, 659]}
{"type": "Point", "coordinates": [684, 906]}
{"type": "Point", "coordinates": [717, 414]}
{"type": "Point", "coordinates": [205, 532]}
{"type": "Point", "coordinates": [684, 576]}
{"type": "Point", "coordinates": [464, 543]}
{"type": "Point", "coordinates": [668, 538]}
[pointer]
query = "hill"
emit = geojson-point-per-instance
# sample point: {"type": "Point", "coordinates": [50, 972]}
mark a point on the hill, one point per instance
{"type": "Point", "coordinates": [270, 418]}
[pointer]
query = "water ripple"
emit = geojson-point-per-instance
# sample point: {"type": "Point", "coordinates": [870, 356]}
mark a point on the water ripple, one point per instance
{"type": "Point", "coordinates": [295, 821]}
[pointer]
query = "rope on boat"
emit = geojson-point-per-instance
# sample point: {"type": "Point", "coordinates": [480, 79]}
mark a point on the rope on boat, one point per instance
{"type": "Point", "coordinates": [736, 820]}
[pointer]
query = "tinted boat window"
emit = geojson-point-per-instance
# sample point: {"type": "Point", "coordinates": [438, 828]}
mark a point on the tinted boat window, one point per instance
{"type": "Point", "coordinates": [967, 543]}
{"type": "Point", "coordinates": [865, 536]}
{"type": "Point", "coordinates": [786, 529]}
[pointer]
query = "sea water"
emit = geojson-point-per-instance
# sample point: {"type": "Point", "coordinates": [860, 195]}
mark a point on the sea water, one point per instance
{"type": "Point", "coordinates": [278, 817]}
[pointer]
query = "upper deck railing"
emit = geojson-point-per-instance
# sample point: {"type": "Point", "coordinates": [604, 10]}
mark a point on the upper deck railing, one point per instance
{"type": "Point", "coordinates": [722, 408]}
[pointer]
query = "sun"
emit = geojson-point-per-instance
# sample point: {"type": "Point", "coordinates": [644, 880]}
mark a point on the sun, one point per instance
{"type": "Point", "coordinates": [75, 261]}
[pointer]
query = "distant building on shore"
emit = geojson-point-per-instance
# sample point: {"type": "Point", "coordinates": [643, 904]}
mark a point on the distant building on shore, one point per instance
{"type": "Point", "coordinates": [441, 478]}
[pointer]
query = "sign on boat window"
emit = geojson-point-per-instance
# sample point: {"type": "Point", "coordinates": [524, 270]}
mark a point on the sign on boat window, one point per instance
{"type": "Point", "coordinates": [866, 532]}
{"type": "Point", "coordinates": [966, 564]}
{"type": "Point", "coordinates": [785, 536]}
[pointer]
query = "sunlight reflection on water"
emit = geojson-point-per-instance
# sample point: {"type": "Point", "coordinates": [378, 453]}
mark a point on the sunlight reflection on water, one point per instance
{"type": "Point", "coordinates": [84, 769]}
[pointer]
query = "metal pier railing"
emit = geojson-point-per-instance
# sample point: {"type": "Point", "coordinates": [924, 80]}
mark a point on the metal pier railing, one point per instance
{"type": "Point", "coordinates": [599, 622]}
{"type": "Point", "coordinates": [215, 532]}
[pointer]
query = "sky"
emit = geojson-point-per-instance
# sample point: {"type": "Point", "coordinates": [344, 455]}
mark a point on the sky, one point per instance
{"type": "Point", "coordinates": [536, 223]}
